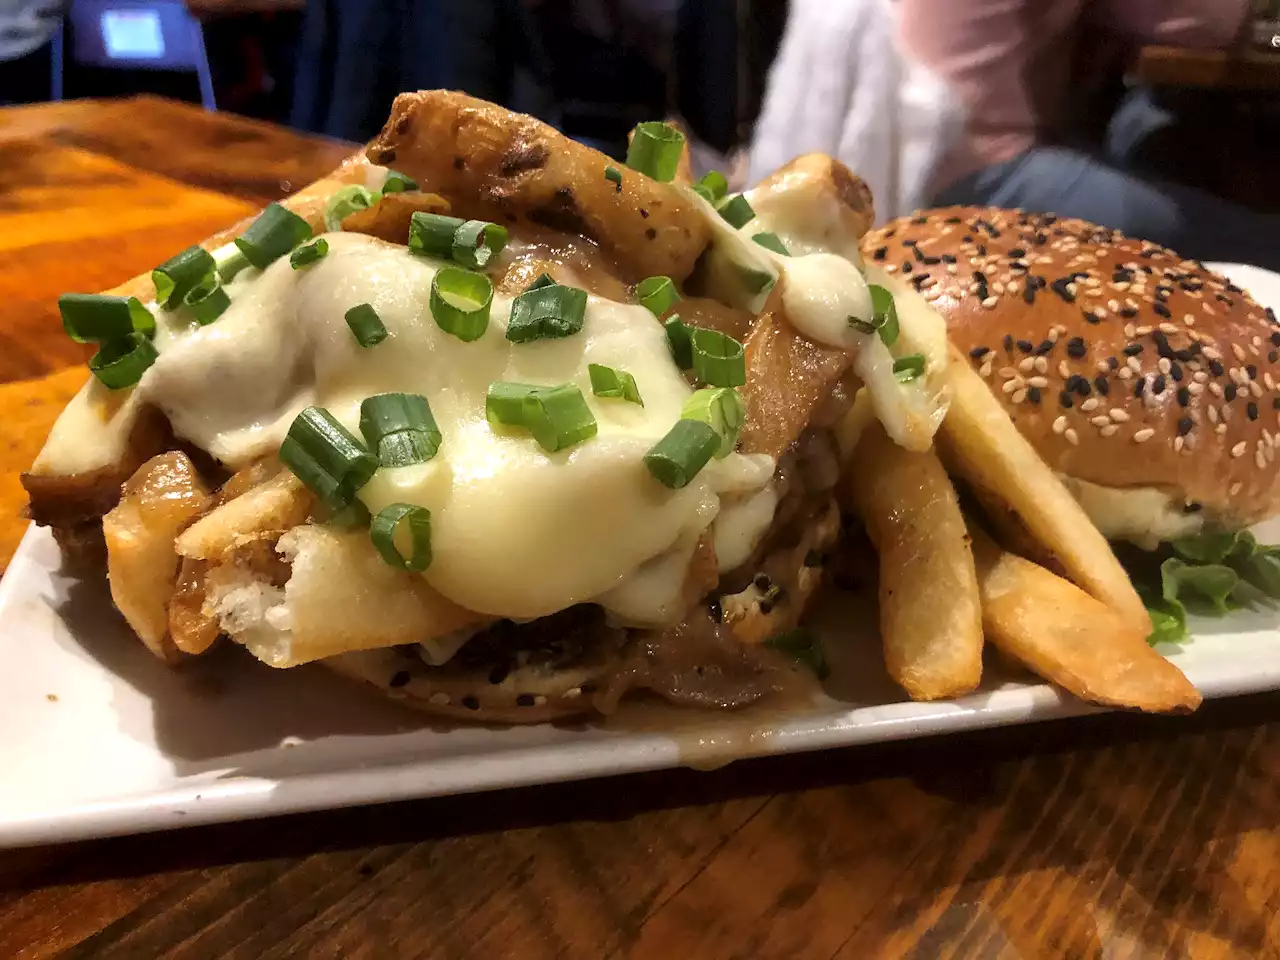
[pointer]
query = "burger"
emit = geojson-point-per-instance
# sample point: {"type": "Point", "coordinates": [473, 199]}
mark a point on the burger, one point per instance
{"type": "Point", "coordinates": [490, 422]}
{"type": "Point", "coordinates": [1148, 382]}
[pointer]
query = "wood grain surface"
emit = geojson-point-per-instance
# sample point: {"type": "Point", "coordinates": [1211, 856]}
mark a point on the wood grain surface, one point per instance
{"type": "Point", "coordinates": [1106, 837]}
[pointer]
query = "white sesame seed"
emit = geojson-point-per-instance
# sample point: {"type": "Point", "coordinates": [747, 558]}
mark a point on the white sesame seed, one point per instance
{"type": "Point", "coordinates": [1239, 352]}
{"type": "Point", "coordinates": [989, 357]}
{"type": "Point", "coordinates": [1238, 449]}
{"type": "Point", "coordinates": [572, 693]}
{"type": "Point", "coordinates": [1102, 420]}
{"type": "Point", "coordinates": [1040, 382]}
{"type": "Point", "coordinates": [1205, 306]}
{"type": "Point", "coordinates": [1013, 286]}
{"type": "Point", "coordinates": [1027, 364]}
{"type": "Point", "coordinates": [989, 269]}
{"type": "Point", "coordinates": [1109, 431]}
{"type": "Point", "coordinates": [1260, 459]}
{"type": "Point", "coordinates": [1113, 305]}
{"type": "Point", "coordinates": [1090, 404]}
{"type": "Point", "coordinates": [1064, 371]}
{"type": "Point", "coordinates": [1255, 389]}
{"type": "Point", "coordinates": [1224, 411]}
{"type": "Point", "coordinates": [1071, 435]}
{"type": "Point", "coordinates": [1059, 425]}
{"type": "Point", "coordinates": [1143, 435]}
{"type": "Point", "coordinates": [1093, 283]}
{"type": "Point", "coordinates": [1044, 259]}
{"type": "Point", "coordinates": [1120, 285]}
{"type": "Point", "coordinates": [1194, 388]}
{"type": "Point", "coordinates": [1267, 438]}
{"type": "Point", "coordinates": [1256, 341]}
{"type": "Point", "coordinates": [439, 699]}
{"type": "Point", "coordinates": [1220, 429]}
{"type": "Point", "coordinates": [1213, 414]}
{"type": "Point", "coordinates": [1130, 330]}
{"type": "Point", "coordinates": [1178, 444]}
{"type": "Point", "coordinates": [1212, 353]}
{"type": "Point", "coordinates": [998, 287]}
{"type": "Point", "coordinates": [1134, 364]}
{"type": "Point", "coordinates": [1215, 388]}
{"type": "Point", "coordinates": [891, 268]}
{"type": "Point", "coordinates": [1235, 488]}
{"type": "Point", "coordinates": [1163, 365]}
{"type": "Point", "coordinates": [1168, 328]}
{"type": "Point", "coordinates": [989, 302]}
{"type": "Point", "coordinates": [1255, 351]}
{"type": "Point", "coordinates": [1143, 330]}
{"type": "Point", "coordinates": [1103, 366]}
{"type": "Point", "coordinates": [1271, 454]}
{"type": "Point", "coordinates": [985, 371]}
{"type": "Point", "coordinates": [1125, 373]}
{"type": "Point", "coordinates": [1131, 303]}
{"type": "Point", "coordinates": [539, 700]}
{"type": "Point", "coordinates": [1011, 385]}
{"type": "Point", "coordinates": [1189, 318]}
{"type": "Point", "coordinates": [1054, 333]}
{"type": "Point", "coordinates": [1119, 415]}
{"type": "Point", "coordinates": [951, 269]}
{"type": "Point", "coordinates": [1007, 372]}
{"type": "Point", "coordinates": [1019, 396]}
{"type": "Point", "coordinates": [1099, 313]}
{"type": "Point", "coordinates": [1200, 377]}
{"type": "Point", "coordinates": [1041, 365]}
{"type": "Point", "coordinates": [1269, 380]}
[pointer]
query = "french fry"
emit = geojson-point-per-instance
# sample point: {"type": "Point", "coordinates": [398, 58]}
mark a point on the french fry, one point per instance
{"type": "Point", "coordinates": [929, 613]}
{"type": "Point", "coordinates": [1071, 639]}
{"type": "Point", "coordinates": [979, 442]}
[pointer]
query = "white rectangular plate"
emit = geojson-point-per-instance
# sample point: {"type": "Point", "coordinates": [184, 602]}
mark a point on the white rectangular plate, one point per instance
{"type": "Point", "coordinates": [97, 737]}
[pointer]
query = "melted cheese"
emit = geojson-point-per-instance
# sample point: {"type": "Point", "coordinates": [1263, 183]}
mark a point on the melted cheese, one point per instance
{"type": "Point", "coordinates": [516, 532]}
{"type": "Point", "coordinates": [1144, 516]}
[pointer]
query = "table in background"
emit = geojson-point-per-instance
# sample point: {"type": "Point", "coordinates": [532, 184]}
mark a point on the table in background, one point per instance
{"type": "Point", "coordinates": [1109, 836]}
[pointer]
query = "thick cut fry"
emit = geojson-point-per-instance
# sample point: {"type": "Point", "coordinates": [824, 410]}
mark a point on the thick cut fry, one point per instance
{"type": "Point", "coordinates": [981, 445]}
{"type": "Point", "coordinates": [507, 167]}
{"type": "Point", "coordinates": [1071, 639]}
{"type": "Point", "coordinates": [929, 615]}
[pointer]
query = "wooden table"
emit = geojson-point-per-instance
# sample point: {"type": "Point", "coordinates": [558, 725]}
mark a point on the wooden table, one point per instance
{"type": "Point", "coordinates": [1112, 836]}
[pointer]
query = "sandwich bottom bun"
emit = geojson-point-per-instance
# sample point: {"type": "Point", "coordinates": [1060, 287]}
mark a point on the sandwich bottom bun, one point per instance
{"type": "Point", "coordinates": [1127, 366]}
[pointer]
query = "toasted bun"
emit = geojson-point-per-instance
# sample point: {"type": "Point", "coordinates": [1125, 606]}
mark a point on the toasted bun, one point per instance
{"type": "Point", "coordinates": [1126, 365]}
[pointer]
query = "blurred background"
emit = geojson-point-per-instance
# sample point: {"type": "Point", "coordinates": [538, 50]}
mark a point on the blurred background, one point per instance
{"type": "Point", "coordinates": [1160, 117]}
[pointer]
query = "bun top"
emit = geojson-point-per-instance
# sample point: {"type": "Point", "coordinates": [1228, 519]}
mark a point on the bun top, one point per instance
{"type": "Point", "coordinates": [1125, 364]}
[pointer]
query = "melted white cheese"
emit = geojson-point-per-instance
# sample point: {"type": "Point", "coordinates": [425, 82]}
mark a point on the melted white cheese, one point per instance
{"type": "Point", "coordinates": [806, 217]}
{"type": "Point", "coordinates": [1144, 516]}
{"type": "Point", "coordinates": [516, 532]}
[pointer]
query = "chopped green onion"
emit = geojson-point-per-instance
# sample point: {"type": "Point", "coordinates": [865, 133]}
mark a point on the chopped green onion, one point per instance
{"type": "Point", "coordinates": [207, 300]}
{"type": "Point", "coordinates": [366, 325]}
{"type": "Point", "coordinates": [803, 647]}
{"type": "Point", "coordinates": [613, 383]}
{"type": "Point", "coordinates": [397, 182]}
{"type": "Point", "coordinates": [346, 201]}
{"type": "Point", "coordinates": [542, 280]}
{"type": "Point", "coordinates": [736, 211]}
{"type": "Point", "coordinates": [547, 312]}
{"type": "Point", "coordinates": [558, 417]}
{"type": "Point", "coordinates": [718, 359]}
{"type": "Point", "coordinates": [771, 241]}
{"type": "Point", "coordinates": [884, 316]}
{"type": "Point", "coordinates": [177, 275]}
{"type": "Point", "coordinates": [657, 294]}
{"type": "Point", "coordinates": [712, 187]}
{"type": "Point", "coordinates": [99, 317]}
{"type": "Point", "coordinates": [324, 455]}
{"type": "Point", "coordinates": [403, 521]}
{"type": "Point", "coordinates": [229, 261]}
{"type": "Point", "coordinates": [686, 449]}
{"type": "Point", "coordinates": [722, 409]}
{"type": "Point", "coordinates": [477, 242]}
{"type": "Point", "coordinates": [655, 150]}
{"type": "Point", "coordinates": [460, 302]}
{"type": "Point", "coordinates": [306, 255]}
{"type": "Point", "coordinates": [399, 428]}
{"type": "Point", "coordinates": [431, 234]}
{"type": "Point", "coordinates": [276, 231]}
{"type": "Point", "coordinates": [680, 342]}
{"type": "Point", "coordinates": [614, 175]}
{"type": "Point", "coordinates": [121, 363]}
{"type": "Point", "coordinates": [908, 368]}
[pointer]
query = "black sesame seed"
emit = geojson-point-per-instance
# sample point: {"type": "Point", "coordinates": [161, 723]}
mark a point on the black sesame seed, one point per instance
{"type": "Point", "coordinates": [1233, 288]}
{"type": "Point", "coordinates": [1192, 507]}
{"type": "Point", "coordinates": [1041, 239]}
{"type": "Point", "coordinates": [1275, 339]}
{"type": "Point", "coordinates": [1065, 399]}
{"type": "Point", "coordinates": [930, 261]}
{"type": "Point", "coordinates": [1175, 371]}
{"type": "Point", "coordinates": [1029, 294]}
{"type": "Point", "coordinates": [1230, 392]}
{"type": "Point", "coordinates": [762, 581]}
{"type": "Point", "coordinates": [1158, 384]}
{"type": "Point", "coordinates": [1092, 318]}
{"type": "Point", "coordinates": [1275, 403]}
{"type": "Point", "coordinates": [1161, 310]}
{"type": "Point", "coordinates": [915, 250]}
{"type": "Point", "coordinates": [1271, 315]}
{"type": "Point", "coordinates": [881, 253]}
{"type": "Point", "coordinates": [967, 238]}
{"type": "Point", "coordinates": [978, 352]}
{"type": "Point", "coordinates": [1076, 348]}
{"type": "Point", "coordinates": [952, 220]}
{"type": "Point", "coordinates": [1252, 371]}
{"type": "Point", "coordinates": [1132, 349]}
{"type": "Point", "coordinates": [1162, 344]}
{"type": "Point", "coordinates": [1273, 357]}
{"type": "Point", "coordinates": [524, 700]}
{"type": "Point", "coordinates": [906, 266]}
{"type": "Point", "coordinates": [1184, 397]}
{"type": "Point", "coordinates": [399, 678]}
{"type": "Point", "coordinates": [470, 702]}
{"type": "Point", "coordinates": [1216, 368]}
{"type": "Point", "coordinates": [1026, 346]}
{"type": "Point", "coordinates": [911, 243]}
{"type": "Point", "coordinates": [1059, 287]}
{"type": "Point", "coordinates": [1017, 252]}
{"type": "Point", "coordinates": [1008, 343]}
{"type": "Point", "coordinates": [1112, 362]}
{"type": "Point", "coordinates": [1128, 312]}
{"type": "Point", "coordinates": [920, 220]}
{"type": "Point", "coordinates": [1140, 387]}
{"type": "Point", "coordinates": [1187, 354]}
{"type": "Point", "coordinates": [919, 280]}
{"type": "Point", "coordinates": [1252, 410]}
{"type": "Point", "coordinates": [979, 277]}
{"type": "Point", "coordinates": [982, 250]}
{"type": "Point", "coordinates": [1184, 426]}
{"type": "Point", "coordinates": [1033, 394]}
{"type": "Point", "coordinates": [1100, 384]}
{"type": "Point", "coordinates": [499, 673]}
{"type": "Point", "coordinates": [948, 258]}
{"type": "Point", "coordinates": [1045, 347]}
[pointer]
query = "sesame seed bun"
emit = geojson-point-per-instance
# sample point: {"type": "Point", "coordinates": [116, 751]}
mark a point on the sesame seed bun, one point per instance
{"type": "Point", "coordinates": [1125, 365]}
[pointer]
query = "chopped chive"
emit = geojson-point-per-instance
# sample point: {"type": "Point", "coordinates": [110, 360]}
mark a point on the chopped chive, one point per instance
{"type": "Point", "coordinates": [655, 150]}
{"type": "Point", "coordinates": [399, 428]}
{"type": "Point", "coordinates": [771, 241]}
{"type": "Point", "coordinates": [177, 275]}
{"type": "Point", "coordinates": [736, 211]}
{"type": "Point", "coordinates": [308, 254]}
{"type": "Point", "coordinates": [276, 231]}
{"type": "Point", "coordinates": [346, 201]}
{"type": "Point", "coordinates": [722, 409]}
{"type": "Point", "coordinates": [100, 318]}
{"type": "Point", "coordinates": [366, 325]}
{"type": "Point", "coordinates": [397, 182]}
{"type": "Point", "coordinates": [613, 383]}
{"type": "Point", "coordinates": [477, 242]}
{"type": "Point", "coordinates": [460, 302]}
{"type": "Point", "coordinates": [558, 417]}
{"type": "Point", "coordinates": [613, 175]}
{"type": "Point", "coordinates": [431, 234]}
{"type": "Point", "coordinates": [121, 363]}
{"type": "Point", "coordinates": [207, 300]}
{"type": "Point", "coordinates": [713, 187]}
{"type": "Point", "coordinates": [678, 457]}
{"type": "Point", "coordinates": [657, 294]}
{"type": "Point", "coordinates": [400, 522]}
{"type": "Point", "coordinates": [680, 341]}
{"type": "Point", "coordinates": [718, 359]}
{"type": "Point", "coordinates": [547, 312]}
{"type": "Point", "coordinates": [324, 455]}
{"type": "Point", "coordinates": [908, 368]}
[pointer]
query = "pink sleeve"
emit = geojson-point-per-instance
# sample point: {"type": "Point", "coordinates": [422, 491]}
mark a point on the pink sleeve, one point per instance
{"type": "Point", "coordinates": [1178, 23]}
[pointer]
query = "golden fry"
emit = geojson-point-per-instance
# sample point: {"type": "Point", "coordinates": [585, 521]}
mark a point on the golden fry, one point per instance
{"type": "Point", "coordinates": [981, 445]}
{"type": "Point", "coordinates": [1072, 639]}
{"type": "Point", "coordinates": [929, 614]}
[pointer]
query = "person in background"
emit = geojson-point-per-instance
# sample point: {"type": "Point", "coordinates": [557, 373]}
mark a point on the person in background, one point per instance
{"type": "Point", "coordinates": [26, 27]}
{"type": "Point", "coordinates": [1032, 75]}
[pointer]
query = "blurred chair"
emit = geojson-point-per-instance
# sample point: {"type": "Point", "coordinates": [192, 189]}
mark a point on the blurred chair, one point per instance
{"type": "Point", "coordinates": [153, 35]}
